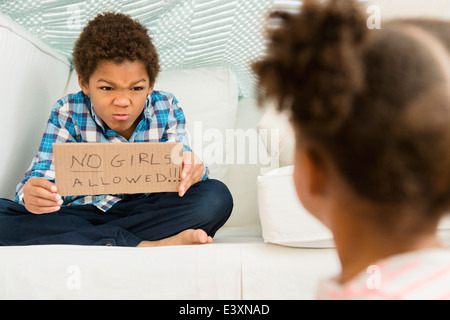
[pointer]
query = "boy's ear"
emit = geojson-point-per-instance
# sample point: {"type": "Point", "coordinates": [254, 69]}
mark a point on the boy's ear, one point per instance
{"type": "Point", "coordinates": [83, 85]}
{"type": "Point", "coordinates": [150, 89]}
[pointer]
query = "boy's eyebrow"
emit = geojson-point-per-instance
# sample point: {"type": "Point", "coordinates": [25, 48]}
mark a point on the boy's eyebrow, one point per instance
{"type": "Point", "coordinates": [113, 84]}
{"type": "Point", "coordinates": [134, 83]}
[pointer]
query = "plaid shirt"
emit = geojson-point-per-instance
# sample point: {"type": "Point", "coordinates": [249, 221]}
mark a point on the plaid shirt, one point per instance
{"type": "Point", "coordinates": [73, 120]}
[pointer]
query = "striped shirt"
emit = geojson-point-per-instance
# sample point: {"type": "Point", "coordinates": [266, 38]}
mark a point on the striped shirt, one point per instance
{"type": "Point", "coordinates": [418, 275]}
{"type": "Point", "coordinates": [73, 119]}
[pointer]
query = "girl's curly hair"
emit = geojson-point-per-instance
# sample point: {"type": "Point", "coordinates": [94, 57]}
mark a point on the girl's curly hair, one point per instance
{"type": "Point", "coordinates": [377, 101]}
{"type": "Point", "coordinates": [114, 37]}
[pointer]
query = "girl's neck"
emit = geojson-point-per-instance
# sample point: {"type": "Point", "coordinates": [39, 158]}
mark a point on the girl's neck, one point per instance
{"type": "Point", "coordinates": [360, 244]}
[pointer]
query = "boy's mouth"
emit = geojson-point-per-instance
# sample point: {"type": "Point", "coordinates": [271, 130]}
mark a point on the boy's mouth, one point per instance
{"type": "Point", "coordinates": [121, 117]}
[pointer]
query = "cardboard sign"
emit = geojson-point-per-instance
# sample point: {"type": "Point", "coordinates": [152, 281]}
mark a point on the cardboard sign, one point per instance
{"type": "Point", "coordinates": [117, 168]}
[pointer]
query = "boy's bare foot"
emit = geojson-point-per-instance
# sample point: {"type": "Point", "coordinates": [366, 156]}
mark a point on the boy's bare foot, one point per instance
{"type": "Point", "coordinates": [185, 237]}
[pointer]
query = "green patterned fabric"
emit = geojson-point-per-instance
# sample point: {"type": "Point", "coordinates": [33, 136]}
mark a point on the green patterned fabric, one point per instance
{"type": "Point", "coordinates": [187, 34]}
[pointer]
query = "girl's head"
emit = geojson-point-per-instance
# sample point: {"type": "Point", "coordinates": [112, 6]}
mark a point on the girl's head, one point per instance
{"type": "Point", "coordinates": [372, 104]}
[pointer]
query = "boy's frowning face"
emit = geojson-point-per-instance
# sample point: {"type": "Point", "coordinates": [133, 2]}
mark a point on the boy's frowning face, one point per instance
{"type": "Point", "coordinates": [118, 93]}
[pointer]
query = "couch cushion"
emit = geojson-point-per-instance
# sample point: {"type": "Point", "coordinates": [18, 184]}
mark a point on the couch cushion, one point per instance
{"type": "Point", "coordinates": [284, 220]}
{"type": "Point", "coordinates": [33, 78]}
{"type": "Point", "coordinates": [209, 98]}
{"type": "Point", "coordinates": [280, 145]}
{"type": "Point", "coordinates": [250, 159]}
{"type": "Point", "coordinates": [96, 272]}
{"type": "Point", "coordinates": [271, 272]}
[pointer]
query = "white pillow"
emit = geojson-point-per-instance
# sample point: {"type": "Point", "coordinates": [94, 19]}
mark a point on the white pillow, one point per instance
{"type": "Point", "coordinates": [32, 78]}
{"type": "Point", "coordinates": [209, 99]}
{"type": "Point", "coordinates": [393, 9]}
{"type": "Point", "coordinates": [282, 148]}
{"type": "Point", "coordinates": [444, 230]}
{"type": "Point", "coordinates": [284, 220]}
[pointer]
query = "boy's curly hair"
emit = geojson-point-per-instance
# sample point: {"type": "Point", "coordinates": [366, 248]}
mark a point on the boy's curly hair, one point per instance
{"type": "Point", "coordinates": [114, 37]}
{"type": "Point", "coordinates": [374, 102]}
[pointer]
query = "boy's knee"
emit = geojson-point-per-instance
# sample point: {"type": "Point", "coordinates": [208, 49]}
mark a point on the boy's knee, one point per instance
{"type": "Point", "coordinates": [215, 198]}
{"type": "Point", "coordinates": [218, 195]}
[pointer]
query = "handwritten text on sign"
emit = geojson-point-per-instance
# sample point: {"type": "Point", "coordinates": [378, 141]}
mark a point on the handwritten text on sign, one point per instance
{"type": "Point", "coordinates": [113, 168]}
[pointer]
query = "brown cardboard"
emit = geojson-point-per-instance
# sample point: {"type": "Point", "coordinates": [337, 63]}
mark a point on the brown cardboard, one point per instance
{"type": "Point", "coordinates": [117, 168]}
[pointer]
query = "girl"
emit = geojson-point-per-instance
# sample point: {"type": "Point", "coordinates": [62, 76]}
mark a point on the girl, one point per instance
{"type": "Point", "coordinates": [371, 111]}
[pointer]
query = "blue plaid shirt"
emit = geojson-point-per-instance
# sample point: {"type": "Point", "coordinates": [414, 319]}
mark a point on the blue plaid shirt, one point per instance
{"type": "Point", "coordinates": [73, 120]}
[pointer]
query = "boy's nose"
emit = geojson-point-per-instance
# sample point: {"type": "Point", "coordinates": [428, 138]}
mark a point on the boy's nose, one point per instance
{"type": "Point", "coordinates": [121, 101]}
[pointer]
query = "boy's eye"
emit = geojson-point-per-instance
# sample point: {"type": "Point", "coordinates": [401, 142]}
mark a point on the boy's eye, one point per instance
{"type": "Point", "coordinates": [106, 88]}
{"type": "Point", "coordinates": [137, 89]}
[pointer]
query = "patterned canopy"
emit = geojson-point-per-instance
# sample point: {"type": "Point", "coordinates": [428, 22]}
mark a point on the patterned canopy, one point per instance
{"type": "Point", "coordinates": [187, 33]}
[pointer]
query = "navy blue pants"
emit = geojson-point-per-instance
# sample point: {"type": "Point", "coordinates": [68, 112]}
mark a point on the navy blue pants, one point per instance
{"type": "Point", "coordinates": [206, 205]}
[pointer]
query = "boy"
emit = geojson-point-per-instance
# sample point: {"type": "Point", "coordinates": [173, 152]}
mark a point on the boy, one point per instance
{"type": "Point", "coordinates": [117, 65]}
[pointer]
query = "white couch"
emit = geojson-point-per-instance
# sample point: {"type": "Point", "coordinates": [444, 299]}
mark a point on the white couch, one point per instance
{"type": "Point", "coordinates": [269, 249]}
{"type": "Point", "coordinates": [238, 265]}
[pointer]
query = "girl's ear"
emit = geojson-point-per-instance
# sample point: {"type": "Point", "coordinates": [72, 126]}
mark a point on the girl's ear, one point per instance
{"type": "Point", "coordinates": [310, 172]}
{"type": "Point", "coordinates": [317, 173]}
{"type": "Point", "coordinates": [83, 85]}
{"type": "Point", "coordinates": [310, 178]}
